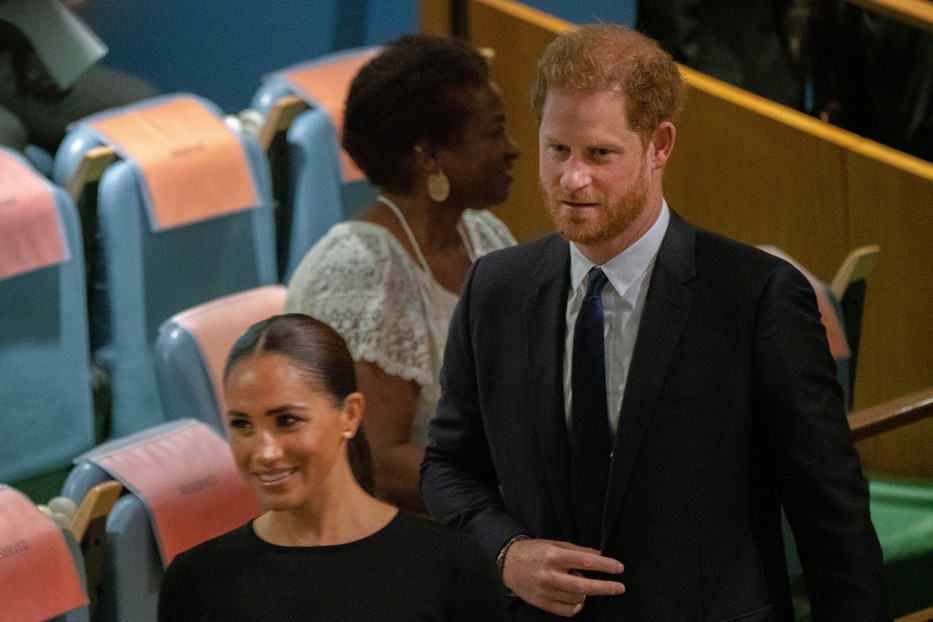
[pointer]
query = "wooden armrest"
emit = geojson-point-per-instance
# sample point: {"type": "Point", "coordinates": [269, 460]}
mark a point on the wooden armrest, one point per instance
{"type": "Point", "coordinates": [96, 503]}
{"type": "Point", "coordinates": [914, 13]}
{"type": "Point", "coordinates": [857, 266]}
{"type": "Point", "coordinates": [893, 414]}
{"type": "Point", "coordinates": [91, 169]}
{"type": "Point", "coordinates": [280, 116]}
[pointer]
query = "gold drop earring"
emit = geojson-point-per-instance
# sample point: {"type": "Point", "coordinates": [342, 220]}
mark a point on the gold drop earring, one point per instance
{"type": "Point", "coordinates": [438, 186]}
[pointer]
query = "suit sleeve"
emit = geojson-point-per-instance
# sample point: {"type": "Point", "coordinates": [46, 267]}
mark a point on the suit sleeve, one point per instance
{"type": "Point", "coordinates": [811, 454]}
{"type": "Point", "coordinates": [458, 475]}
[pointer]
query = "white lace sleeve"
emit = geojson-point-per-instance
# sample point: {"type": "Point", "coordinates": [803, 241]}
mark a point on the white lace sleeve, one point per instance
{"type": "Point", "coordinates": [358, 280]}
{"type": "Point", "coordinates": [487, 233]}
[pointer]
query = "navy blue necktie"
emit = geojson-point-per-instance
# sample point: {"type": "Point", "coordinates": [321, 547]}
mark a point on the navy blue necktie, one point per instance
{"type": "Point", "coordinates": [590, 441]}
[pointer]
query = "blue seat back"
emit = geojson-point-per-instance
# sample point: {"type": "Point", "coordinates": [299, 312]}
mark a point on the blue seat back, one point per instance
{"type": "Point", "coordinates": [148, 275]}
{"type": "Point", "coordinates": [130, 567]}
{"type": "Point", "coordinates": [182, 488]}
{"type": "Point", "coordinates": [833, 322]}
{"type": "Point", "coordinates": [192, 348]}
{"type": "Point", "coordinates": [314, 193]}
{"type": "Point", "coordinates": [46, 417]}
{"type": "Point", "coordinates": [132, 571]}
{"type": "Point", "coordinates": [81, 479]}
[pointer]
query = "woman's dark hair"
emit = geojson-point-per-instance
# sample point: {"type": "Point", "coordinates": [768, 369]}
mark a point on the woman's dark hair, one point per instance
{"type": "Point", "coordinates": [311, 344]}
{"type": "Point", "coordinates": [320, 351]}
{"type": "Point", "coordinates": [418, 87]}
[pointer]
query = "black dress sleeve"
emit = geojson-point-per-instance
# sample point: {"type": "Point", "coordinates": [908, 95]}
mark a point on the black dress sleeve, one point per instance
{"type": "Point", "coordinates": [477, 591]}
{"type": "Point", "coordinates": [176, 602]}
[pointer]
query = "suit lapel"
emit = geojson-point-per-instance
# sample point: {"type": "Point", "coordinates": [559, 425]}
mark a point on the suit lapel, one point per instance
{"type": "Point", "coordinates": [544, 307]}
{"type": "Point", "coordinates": [665, 312]}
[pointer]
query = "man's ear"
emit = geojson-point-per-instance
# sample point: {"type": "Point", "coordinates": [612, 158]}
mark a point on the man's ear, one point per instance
{"type": "Point", "coordinates": [662, 144]}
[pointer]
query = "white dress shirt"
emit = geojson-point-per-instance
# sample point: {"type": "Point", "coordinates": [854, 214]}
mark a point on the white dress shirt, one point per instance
{"type": "Point", "coordinates": [629, 273]}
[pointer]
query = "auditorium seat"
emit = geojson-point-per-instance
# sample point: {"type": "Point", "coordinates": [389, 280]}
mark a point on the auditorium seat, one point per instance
{"type": "Point", "coordinates": [849, 287]}
{"type": "Point", "coordinates": [182, 488]}
{"type": "Point", "coordinates": [47, 416]}
{"type": "Point", "coordinates": [41, 569]}
{"type": "Point", "coordinates": [841, 302]}
{"type": "Point", "coordinates": [315, 182]}
{"type": "Point", "coordinates": [182, 213]}
{"type": "Point", "coordinates": [901, 507]}
{"type": "Point", "coordinates": [192, 347]}
{"type": "Point", "coordinates": [901, 511]}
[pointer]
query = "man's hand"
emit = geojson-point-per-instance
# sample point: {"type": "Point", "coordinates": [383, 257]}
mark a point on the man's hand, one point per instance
{"type": "Point", "coordinates": [548, 575]}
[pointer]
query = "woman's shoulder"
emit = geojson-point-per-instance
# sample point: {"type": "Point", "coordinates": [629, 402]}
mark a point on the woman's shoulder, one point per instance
{"type": "Point", "coordinates": [353, 257]}
{"type": "Point", "coordinates": [353, 240]}
{"type": "Point", "coordinates": [487, 233]}
{"type": "Point", "coordinates": [234, 545]}
{"type": "Point", "coordinates": [208, 563]}
{"type": "Point", "coordinates": [425, 533]}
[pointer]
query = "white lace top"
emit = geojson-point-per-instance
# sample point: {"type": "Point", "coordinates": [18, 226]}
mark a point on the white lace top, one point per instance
{"type": "Point", "coordinates": [361, 281]}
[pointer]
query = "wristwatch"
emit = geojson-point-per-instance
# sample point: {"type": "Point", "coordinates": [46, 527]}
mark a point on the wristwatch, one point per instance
{"type": "Point", "coordinates": [500, 559]}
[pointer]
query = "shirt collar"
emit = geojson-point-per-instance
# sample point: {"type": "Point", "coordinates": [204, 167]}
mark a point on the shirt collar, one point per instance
{"type": "Point", "coordinates": [625, 268]}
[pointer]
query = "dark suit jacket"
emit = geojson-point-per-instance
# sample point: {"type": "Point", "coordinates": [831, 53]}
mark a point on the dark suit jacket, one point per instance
{"type": "Point", "coordinates": [731, 409]}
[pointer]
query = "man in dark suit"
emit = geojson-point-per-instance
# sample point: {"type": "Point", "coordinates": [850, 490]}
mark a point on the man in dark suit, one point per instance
{"type": "Point", "coordinates": [636, 394]}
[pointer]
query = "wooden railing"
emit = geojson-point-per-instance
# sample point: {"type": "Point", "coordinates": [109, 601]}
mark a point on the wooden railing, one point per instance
{"type": "Point", "coordinates": [918, 616]}
{"type": "Point", "coordinates": [914, 13]}
{"type": "Point", "coordinates": [896, 413]}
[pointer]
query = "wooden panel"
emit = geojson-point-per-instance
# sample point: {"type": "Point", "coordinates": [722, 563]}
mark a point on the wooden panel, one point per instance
{"type": "Point", "coordinates": [740, 169]}
{"type": "Point", "coordinates": [891, 204]}
{"type": "Point", "coordinates": [518, 34]}
{"type": "Point", "coordinates": [434, 17]}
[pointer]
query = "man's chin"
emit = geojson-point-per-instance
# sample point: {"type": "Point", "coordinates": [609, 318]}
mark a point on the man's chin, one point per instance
{"type": "Point", "coordinates": [580, 234]}
{"type": "Point", "coordinates": [573, 228]}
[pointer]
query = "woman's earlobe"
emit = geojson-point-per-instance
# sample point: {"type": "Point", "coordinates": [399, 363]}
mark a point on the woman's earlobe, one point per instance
{"type": "Point", "coordinates": [424, 153]}
{"type": "Point", "coordinates": [354, 406]}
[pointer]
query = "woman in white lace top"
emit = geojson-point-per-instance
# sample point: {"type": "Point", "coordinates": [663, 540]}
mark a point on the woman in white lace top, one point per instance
{"type": "Point", "coordinates": [426, 126]}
